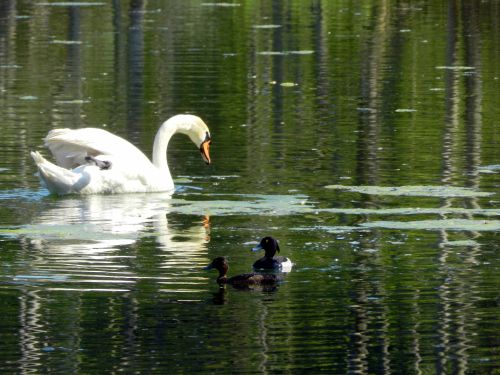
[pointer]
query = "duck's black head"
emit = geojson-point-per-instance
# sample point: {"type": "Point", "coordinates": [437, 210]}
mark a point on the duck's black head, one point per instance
{"type": "Point", "coordinates": [221, 265]}
{"type": "Point", "coordinates": [270, 246]}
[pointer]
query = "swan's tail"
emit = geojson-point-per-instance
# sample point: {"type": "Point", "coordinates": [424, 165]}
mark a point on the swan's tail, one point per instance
{"type": "Point", "coordinates": [58, 180]}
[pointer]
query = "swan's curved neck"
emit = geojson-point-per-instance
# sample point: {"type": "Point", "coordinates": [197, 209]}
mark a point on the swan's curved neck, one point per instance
{"type": "Point", "coordinates": [166, 131]}
{"type": "Point", "coordinates": [190, 125]}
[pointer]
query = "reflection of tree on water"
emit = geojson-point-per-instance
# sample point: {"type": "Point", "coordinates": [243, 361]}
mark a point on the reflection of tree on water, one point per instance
{"type": "Point", "coordinates": [373, 88]}
{"type": "Point", "coordinates": [135, 70]}
{"type": "Point", "coordinates": [458, 295]}
{"type": "Point", "coordinates": [455, 325]}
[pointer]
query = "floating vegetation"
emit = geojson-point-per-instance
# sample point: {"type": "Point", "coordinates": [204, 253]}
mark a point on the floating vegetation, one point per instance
{"type": "Point", "coordinates": [220, 4]}
{"type": "Point", "coordinates": [74, 101]}
{"type": "Point", "coordinates": [83, 232]}
{"type": "Point", "coordinates": [330, 229]}
{"type": "Point", "coordinates": [288, 84]}
{"type": "Point", "coordinates": [185, 179]}
{"type": "Point", "coordinates": [66, 42]}
{"type": "Point", "coordinates": [414, 191]}
{"type": "Point", "coordinates": [455, 67]}
{"type": "Point", "coordinates": [461, 243]}
{"type": "Point", "coordinates": [284, 53]}
{"type": "Point", "coordinates": [439, 224]}
{"type": "Point", "coordinates": [146, 11]}
{"type": "Point", "coordinates": [489, 168]}
{"type": "Point", "coordinates": [405, 211]}
{"type": "Point", "coordinates": [12, 66]}
{"type": "Point", "coordinates": [271, 53]}
{"type": "Point", "coordinates": [298, 204]}
{"type": "Point", "coordinates": [266, 26]}
{"type": "Point", "coordinates": [104, 222]}
{"type": "Point", "coordinates": [43, 278]}
{"type": "Point", "coordinates": [72, 4]}
{"type": "Point", "coordinates": [405, 110]}
{"type": "Point", "coordinates": [444, 224]}
{"type": "Point", "coordinates": [366, 109]}
{"type": "Point", "coordinates": [303, 52]}
{"type": "Point", "coordinates": [275, 205]}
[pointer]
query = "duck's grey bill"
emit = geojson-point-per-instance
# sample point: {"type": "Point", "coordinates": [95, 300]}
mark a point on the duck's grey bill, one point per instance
{"type": "Point", "coordinates": [257, 248]}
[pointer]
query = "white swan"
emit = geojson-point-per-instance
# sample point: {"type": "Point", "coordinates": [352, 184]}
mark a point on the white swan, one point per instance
{"type": "Point", "coordinates": [94, 161]}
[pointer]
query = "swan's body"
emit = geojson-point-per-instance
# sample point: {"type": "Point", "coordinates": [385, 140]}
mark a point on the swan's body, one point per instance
{"type": "Point", "coordinates": [94, 161]}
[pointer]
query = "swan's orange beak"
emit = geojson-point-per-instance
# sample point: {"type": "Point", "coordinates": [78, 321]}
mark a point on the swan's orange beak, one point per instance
{"type": "Point", "coordinates": [204, 149]}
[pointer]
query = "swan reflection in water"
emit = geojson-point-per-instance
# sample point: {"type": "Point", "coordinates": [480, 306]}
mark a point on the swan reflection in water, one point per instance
{"type": "Point", "coordinates": [90, 244]}
{"type": "Point", "coordinates": [92, 238]}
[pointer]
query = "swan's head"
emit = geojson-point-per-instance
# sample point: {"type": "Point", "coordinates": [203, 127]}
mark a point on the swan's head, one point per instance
{"type": "Point", "coordinates": [198, 132]}
{"type": "Point", "coordinates": [205, 146]}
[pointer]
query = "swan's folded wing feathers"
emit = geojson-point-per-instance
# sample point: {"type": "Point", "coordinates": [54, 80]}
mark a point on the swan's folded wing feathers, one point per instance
{"type": "Point", "coordinates": [55, 178]}
{"type": "Point", "coordinates": [71, 146]}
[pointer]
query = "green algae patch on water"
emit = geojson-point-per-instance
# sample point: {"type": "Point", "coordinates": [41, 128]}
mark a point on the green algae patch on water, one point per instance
{"type": "Point", "coordinates": [414, 191]}
{"type": "Point", "coordinates": [266, 26]}
{"type": "Point", "coordinates": [72, 4]}
{"type": "Point", "coordinates": [288, 84]}
{"type": "Point", "coordinates": [457, 67]}
{"type": "Point", "coordinates": [489, 168]}
{"type": "Point", "coordinates": [407, 211]}
{"type": "Point", "coordinates": [57, 41]}
{"type": "Point", "coordinates": [222, 5]}
{"type": "Point", "coordinates": [460, 243]}
{"type": "Point", "coordinates": [338, 229]}
{"type": "Point", "coordinates": [84, 232]}
{"type": "Point", "coordinates": [244, 204]}
{"type": "Point", "coordinates": [445, 224]}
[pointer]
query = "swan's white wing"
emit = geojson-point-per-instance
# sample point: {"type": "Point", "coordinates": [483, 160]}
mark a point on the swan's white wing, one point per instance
{"type": "Point", "coordinates": [71, 146]}
{"type": "Point", "coordinates": [58, 180]}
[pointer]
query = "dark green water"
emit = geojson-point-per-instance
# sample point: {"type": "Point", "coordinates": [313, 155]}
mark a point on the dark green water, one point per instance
{"type": "Point", "coordinates": [364, 135]}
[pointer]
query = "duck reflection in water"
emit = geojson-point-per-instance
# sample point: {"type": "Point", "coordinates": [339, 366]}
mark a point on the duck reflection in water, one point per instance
{"type": "Point", "coordinates": [220, 297]}
{"type": "Point", "coordinates": [244, 281]}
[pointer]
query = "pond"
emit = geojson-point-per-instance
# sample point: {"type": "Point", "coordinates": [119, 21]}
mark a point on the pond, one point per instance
{"type": "Point", "coordinates": [363, 135]}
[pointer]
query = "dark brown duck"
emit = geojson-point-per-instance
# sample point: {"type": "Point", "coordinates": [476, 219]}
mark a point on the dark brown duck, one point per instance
{"type": "Point", "coordinates": [244, 280]}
